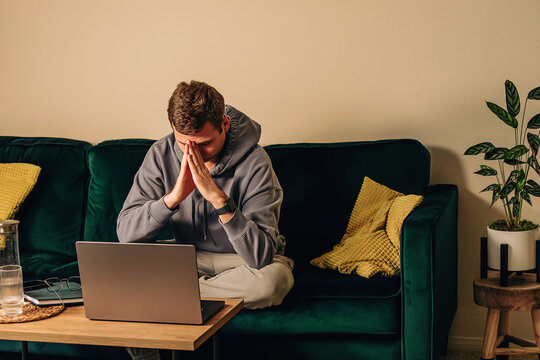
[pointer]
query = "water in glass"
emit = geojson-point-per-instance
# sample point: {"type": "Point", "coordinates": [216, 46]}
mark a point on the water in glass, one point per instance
{"type": "Point", "coordinates": [11, 290]}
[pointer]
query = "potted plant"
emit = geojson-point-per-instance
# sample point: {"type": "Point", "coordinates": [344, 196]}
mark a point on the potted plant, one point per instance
{"type": "Point", "coordinates": [512, 184]}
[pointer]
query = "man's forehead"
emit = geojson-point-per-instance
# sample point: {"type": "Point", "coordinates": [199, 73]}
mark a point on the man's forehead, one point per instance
{"type": "Point", "coordinates": [206, 134]}
{"type": "Point", "coordinates": [196, 138]}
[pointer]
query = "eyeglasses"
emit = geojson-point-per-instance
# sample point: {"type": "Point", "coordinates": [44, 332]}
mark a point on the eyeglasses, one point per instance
{"type": "Point", "coordinates": [54, 284]}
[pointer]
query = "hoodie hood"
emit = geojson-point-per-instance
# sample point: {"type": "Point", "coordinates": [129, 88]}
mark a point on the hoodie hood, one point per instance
{"type": "Point", "coordinates": [243, 136]}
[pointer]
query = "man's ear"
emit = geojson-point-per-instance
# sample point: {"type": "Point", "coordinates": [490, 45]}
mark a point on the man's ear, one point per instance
{"type": "Point", "coordinates": [226, 124]}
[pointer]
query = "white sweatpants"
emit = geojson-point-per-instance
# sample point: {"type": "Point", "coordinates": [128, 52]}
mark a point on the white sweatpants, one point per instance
{"type": "Point", "coordinates": [228, 276]}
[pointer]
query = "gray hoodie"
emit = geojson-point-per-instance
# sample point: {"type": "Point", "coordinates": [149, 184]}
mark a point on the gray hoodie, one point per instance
{"type": "Point", "coordinates": [244, 173]}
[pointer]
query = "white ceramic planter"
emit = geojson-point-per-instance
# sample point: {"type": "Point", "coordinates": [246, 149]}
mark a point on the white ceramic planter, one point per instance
{"type": "Point", "coordinates": [521, 249]}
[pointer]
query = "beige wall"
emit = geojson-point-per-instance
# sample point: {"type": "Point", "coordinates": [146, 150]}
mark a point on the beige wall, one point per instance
{"type": "Point", "coordinates": [306, 70]}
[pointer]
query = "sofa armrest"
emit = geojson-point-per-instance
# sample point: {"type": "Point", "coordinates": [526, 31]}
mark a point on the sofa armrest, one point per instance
{"type": "Point", "coordinates": [429, 274]}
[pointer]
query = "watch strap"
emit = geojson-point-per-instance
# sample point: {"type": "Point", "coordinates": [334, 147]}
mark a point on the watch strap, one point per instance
{"type": "Point", "coordinates": [230, 206]}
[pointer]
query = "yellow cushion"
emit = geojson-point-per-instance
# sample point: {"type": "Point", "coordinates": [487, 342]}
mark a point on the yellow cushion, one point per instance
{"type": "Point", "coordinates": [371, 243]}
{"type": "Point", "coordinates": [16, 182]}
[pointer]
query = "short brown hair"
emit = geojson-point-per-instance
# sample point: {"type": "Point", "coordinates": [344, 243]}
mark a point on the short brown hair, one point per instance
{"type": "Point", "coordinates": [192, 105]}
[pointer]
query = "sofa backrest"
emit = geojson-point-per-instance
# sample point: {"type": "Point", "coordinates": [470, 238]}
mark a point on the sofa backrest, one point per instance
{"type": "Point", "coordinates": [53, 214]}
{"type": "Point", "coordinates": [112, 165]}
{"type": "Point", "coordinates": [321, 183]}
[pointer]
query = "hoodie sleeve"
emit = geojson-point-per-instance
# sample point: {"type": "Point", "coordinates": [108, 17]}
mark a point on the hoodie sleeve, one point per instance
{"type": "Point", "coordinates": [144, 212]}
{"type": "Point", "coordinates": [253, 229]}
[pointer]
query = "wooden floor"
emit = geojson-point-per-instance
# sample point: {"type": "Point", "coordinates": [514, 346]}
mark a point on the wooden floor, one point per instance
{"type": "Point", "coordinates": [469, 355]}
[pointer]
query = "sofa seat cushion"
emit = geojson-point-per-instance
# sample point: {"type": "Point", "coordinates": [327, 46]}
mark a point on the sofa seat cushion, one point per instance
{"type": "Point", "coordinates": [39, 266]}
{"type": "Point", "coordinates": [324, 301]}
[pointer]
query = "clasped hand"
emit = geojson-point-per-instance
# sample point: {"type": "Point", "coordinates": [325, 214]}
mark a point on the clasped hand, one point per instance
{"type": "Point", "coordinates": [194, 174]}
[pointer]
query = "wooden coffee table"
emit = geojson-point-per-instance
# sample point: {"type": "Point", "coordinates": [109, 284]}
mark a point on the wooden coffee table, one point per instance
{"type": "Point", "coordinates": [72, 327]}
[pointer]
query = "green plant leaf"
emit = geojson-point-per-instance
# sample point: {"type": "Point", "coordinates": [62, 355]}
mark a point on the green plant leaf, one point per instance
{"type": "Point", "coordinates": [507, 189]}
{"type": "Point", "coordinates": [512, 98]}
{"type": "Point", "coordinates": [503, 114]}
{"type": "Point", "coordinates": [480, 148]}
{"type": "Point", "coordinates": [525, 196]}
{"type": "Point", "coordinates": [534, 142]}
{"type": "Point", "coordinates": [534, 123]}
{"type": "Point", "coordinates": [496, 154]}
{"type": "Point", "coordinates": [514, 162]}
{"type": "Point", "coordinates": [516, 151]}
{"type": "Point", "coordinates": [492, 187]}
{"type": "Point", "coordinates": [513, 200]}
{"type": "Point", "coordinates": [513, 176]}
{"type": "Point", "coordinates": [486, 171]}
{"type": "Point", "coordinates": [533, 163]}
{"type": "Point", "coordinates": [520, 183]}
{"type": "Point", "coordinates": [516, 208]}
{"type": "Point", "coordinates": [534, 94]}
{"type": "Point", "coordinates": [494, 198]}
{"type": "Point", "coordinates": [532, 188]}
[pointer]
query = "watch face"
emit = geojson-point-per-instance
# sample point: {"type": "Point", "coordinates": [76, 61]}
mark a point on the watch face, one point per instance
{"type": "Point", "coordinates": [230, 206]}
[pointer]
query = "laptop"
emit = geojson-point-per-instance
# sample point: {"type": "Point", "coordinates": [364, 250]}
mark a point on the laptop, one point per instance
{"type": "Point", "coordinates": [143, 282]}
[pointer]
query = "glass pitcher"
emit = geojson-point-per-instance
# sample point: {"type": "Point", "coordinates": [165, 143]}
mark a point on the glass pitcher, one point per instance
{"type": "Point", "coordinates": [9, 242]}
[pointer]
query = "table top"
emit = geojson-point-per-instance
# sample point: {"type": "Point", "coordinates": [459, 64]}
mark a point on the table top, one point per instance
{"type": "Point", "coordinates": [522, 292]}
{"type": "Point", "coordinates": [72, 327]}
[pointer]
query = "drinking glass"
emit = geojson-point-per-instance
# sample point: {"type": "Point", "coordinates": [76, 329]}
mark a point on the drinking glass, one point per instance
{"type": "Point", "coordinates": [11, 289]}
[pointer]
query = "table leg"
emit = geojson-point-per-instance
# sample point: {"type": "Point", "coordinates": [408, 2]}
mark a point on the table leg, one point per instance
{"type": "Point", "coordinates": [175, 355]}
{"type": "Point", "coordinates": [214, 346]}
{"type": "Point", "coordinates": [490, 334]}
{"type": "Point", "coordinates": [504, 324]}
{"type": "Point", "coordinates": [24, 350]}
{"type": "Point", "coordinates": [536, 326]}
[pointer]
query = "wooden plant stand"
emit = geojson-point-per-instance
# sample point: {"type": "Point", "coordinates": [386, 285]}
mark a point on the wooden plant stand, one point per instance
{"type": "Point", "coordinates": [521, 293]}
{"type": "Point", "coordinates": [504, 271]}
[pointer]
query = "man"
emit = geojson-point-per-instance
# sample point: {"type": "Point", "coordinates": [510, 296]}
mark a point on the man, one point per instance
{"type": "Point", "coordinates": [215, 186]}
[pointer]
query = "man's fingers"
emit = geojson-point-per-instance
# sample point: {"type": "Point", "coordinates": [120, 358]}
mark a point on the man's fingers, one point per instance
{"type": "Point", "coordinates": [192, 165]}
{"type": "Point", "coordinates": [196, 161]}
{"type": "Point", "coordinates": [194, 149]}
{"type": "Point", "coordinates": [184, 166]}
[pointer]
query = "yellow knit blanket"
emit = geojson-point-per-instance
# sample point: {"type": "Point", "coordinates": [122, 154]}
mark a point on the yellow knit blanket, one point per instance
{"type": "Point", "coordinates": [371, 243]}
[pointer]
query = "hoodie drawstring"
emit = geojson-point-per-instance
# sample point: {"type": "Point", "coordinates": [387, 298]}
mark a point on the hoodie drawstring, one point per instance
{"type": "Point", "coordinates": [194, 213]}
{"type": "Point", "coordinates": [205, 221]}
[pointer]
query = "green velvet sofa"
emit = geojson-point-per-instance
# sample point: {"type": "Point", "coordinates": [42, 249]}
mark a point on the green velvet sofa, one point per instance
{"type": "Point", "coordinates": [82, 187]}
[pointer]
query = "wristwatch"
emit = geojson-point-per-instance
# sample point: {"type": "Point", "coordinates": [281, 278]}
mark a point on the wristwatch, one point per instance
{"type": "Point", "coordinates": [230, 206]}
